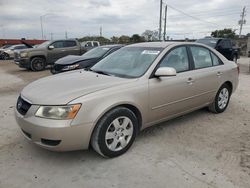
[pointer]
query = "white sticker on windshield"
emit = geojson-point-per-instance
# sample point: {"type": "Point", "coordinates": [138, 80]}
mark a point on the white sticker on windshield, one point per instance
{"type": "Point", "coordinates": [151, 52]}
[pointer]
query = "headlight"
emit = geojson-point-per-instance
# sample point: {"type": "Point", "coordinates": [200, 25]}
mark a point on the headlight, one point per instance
{"type": "Point", "coordinates": [58, 112]}
{"type": "Point", "coordinates": [23, 54]}
{"type": "Point", "coordinates": [71, 67]}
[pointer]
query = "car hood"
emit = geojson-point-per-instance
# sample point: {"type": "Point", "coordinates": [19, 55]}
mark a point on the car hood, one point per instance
{"type": "Point", "coordinates": [70, 59]}
{"type": "Point", "coordinates": [63, 88]}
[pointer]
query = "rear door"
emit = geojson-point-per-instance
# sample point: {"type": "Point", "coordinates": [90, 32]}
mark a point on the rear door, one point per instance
{"type": "Point", "coordinates": [206, 74]}
{"type": "Point", "coordinates": [71, 48]}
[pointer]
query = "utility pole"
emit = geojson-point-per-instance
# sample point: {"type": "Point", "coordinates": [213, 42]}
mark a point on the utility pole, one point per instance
{"type": "Point", "coordinates": [101, 31]}
{"type": "Point", "coordinates": [165, 23]}
{"type": "Point", "coordinates": [51, 36]}
{"type": "Point", "coordinates": [41, 21]}
{"type": "Point", "coordinates": [242, 21]}
{"type": "Point", "coordinates": [66, 35]}
{"type": "Point", "coordinates": [160, 20]}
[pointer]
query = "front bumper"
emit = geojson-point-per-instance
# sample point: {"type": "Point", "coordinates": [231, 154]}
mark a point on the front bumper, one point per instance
{"type": "Point", "coordinates": [55, 135]}
{"type": "Point", "coordinates": [23, 62]}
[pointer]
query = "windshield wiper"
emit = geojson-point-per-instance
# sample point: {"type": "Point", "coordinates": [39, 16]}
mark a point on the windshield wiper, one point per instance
{"type": "Point", "coordinates": [99, 72]}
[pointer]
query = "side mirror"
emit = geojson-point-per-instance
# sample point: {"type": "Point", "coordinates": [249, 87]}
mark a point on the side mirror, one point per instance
{"type": "Point", "coordinates": [165, 71]}
{"type": "Point", "coordinates": [51, 47]}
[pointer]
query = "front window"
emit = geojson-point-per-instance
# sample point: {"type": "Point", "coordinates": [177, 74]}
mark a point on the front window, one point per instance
{"type": "Point", "coordinates": [177, 59]}
{"type": "Point", "coordinates": [58, 44]}
{"type": "Point", "coordinates": [129, 62]}
{"type": "Point", "coordinates": [95, 53]}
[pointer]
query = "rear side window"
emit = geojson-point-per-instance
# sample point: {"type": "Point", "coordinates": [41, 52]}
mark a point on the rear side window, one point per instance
{"type": "Point", "coordinates": [216, 60]}
{"type": "Point", "coordinates": [177, 59]}
{"type": "Point", "coordinates": [201, 57]}
{"type": "Point", "coordinates": [95, 43]}
{"type": "Point", "coordinates": [69, 43]}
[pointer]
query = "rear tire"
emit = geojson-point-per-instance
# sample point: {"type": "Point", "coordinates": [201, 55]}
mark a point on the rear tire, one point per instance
{"type": "Point", "coordinates": [221, 99]}
{"type": "Point", "coordinates": [38, 64]}
{"type": "Point", "coordinates": [115, 132]}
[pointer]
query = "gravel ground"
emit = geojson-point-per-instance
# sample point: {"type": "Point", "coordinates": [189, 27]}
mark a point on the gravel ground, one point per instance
{"type": "Point", "coordinates": [197, 150]}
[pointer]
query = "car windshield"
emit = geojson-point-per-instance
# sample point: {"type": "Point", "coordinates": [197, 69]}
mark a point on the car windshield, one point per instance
{"type": "Point", "coordinates": [210, 42]}
{"type": "Point", "coordinates": [43, 45]}
{"type": "Point", "coordinates": [13, 47]}
{"type": "Point", "coordinates": [96, 52]}
{"type": "Point", "coordinates": [127, 62]}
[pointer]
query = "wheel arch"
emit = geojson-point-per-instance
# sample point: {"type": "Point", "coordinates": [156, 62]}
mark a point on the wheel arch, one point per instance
{"type": "Point", "coordinates": [229, 83]}
{"type": "Point", "coordinates": [41, 56]}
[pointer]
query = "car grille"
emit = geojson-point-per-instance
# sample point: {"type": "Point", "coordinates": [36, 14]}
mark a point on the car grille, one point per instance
{"type": "Point", "coordinates": [22, 106]}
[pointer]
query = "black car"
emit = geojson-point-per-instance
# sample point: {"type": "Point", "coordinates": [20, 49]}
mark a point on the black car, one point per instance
{"type": "Point", "coordinates": [222, 45]}
{"type": "Point", "coordinates": [85, 61]}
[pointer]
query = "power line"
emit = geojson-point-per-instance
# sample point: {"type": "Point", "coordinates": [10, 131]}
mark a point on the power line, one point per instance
{"type": "Point", "coordinates": [196, 18]}
{"type": "Point", "coordinates": [213, 15]}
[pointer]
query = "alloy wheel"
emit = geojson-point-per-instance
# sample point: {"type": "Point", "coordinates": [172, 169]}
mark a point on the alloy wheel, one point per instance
{"type": "Point", "coordinates": [223, 98]}
{"type": "Point", "coordinates": [119, 133]}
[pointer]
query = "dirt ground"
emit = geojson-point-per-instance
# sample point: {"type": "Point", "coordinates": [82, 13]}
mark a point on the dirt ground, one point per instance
{"type": "Point", "coordinates": [197, 150]}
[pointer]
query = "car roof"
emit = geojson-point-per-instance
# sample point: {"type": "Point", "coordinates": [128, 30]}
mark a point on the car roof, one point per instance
{"type": "Point", "coordinates": [156, 44]}
{"type": "Point", "coordinates": [113, 45]}
{"type": "Point", "coordinates": [17, 45]}
{"type": "Point", "coordinates": [212, 38]}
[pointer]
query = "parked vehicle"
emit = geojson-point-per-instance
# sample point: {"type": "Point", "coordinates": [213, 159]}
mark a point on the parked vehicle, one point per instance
{"type": "Point", "coordinates": [88, 45]}
{"type": "Point", "coordinates": [2, 49]}
{"type": "Point", "coordinates": [224, 46]}
{"type": "Point", "coordinates": [47, 53]}
{"type": "Point", "coordinates": [137, 86]}
{"type": "Point", "coordinates": [8, 53]}
{"type": "Point", "coordinates": [86, 60]}
{"type": "Point", "coordinates": [5, 46]}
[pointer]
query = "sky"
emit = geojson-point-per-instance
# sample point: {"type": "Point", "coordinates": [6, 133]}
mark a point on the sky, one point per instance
{"type": "Point", "coordinates": [185, 19]}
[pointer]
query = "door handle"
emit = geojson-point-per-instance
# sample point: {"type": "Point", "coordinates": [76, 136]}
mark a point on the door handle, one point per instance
{"type": "Point", "coordinates": [190, 81]}
{"type": "Point", "coordinates": [219, 73]}
{"type": "Point", "coordinates": [62, 50]}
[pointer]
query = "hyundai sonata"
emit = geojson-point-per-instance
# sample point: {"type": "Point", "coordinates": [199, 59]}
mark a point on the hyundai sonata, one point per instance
{"type": "Point", "coordinates": [133, 88]}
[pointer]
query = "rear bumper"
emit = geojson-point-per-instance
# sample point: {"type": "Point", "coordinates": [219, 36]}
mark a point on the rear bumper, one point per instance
{"type": "Point", "coordinates": [55, 135]}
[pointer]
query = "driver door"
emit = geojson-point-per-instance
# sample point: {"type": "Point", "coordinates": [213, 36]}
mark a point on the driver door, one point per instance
{"type": "Point", "coordinates": [57, 52]}
{"type": "Point", "coordinates": [169, 96]}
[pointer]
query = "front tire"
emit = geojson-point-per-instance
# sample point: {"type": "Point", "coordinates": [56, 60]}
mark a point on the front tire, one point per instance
{"type": "Point", "coordinates": [5, 56]}
{"type": "Point", "coordinates": [38, 64]}
{"type": "Point", "coordinates": [52, 70]}
{"type": "Point", "coordinates": [115, 132]}
{"type": "Point", "coordinates": [221, 99]}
